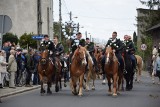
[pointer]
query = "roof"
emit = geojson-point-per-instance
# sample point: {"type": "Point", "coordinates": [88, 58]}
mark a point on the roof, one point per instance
{"type": "Point", "coordinates": [154, 27]}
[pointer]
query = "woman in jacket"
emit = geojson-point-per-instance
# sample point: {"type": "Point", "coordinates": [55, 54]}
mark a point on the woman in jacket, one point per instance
{"type": "Point", "coordinates": [3, 70]}
{"type": "Point", "coordinates": [12, 68]}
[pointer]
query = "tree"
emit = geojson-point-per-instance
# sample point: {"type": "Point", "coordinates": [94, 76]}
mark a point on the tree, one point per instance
{"type": "Point", "coordinates": [10, 37]}
{"type": "Point", "coordinates": [26, 41]}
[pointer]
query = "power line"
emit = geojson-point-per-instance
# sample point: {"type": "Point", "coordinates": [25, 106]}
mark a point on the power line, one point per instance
{"type": "Point", "coordinates": [106, 18]}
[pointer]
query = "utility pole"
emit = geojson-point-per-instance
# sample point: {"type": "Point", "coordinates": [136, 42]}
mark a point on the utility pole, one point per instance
{"type": "Point", "coordinates": [78, 27]}
{"type": "Point", "coordinates": [158, 4]}
{"type": "Point", "coordinates": [39, 20]}
{"type": "Point", "coordinates": [60, 21]}
{"type": "Point", "coordinates": [70, 16]}
{"type": "Point", "coordinates": [86, 34]}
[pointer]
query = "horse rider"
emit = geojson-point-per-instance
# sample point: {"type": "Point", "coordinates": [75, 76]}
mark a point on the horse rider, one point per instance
{"type": "Point", "coordinates": [47, 44]}
{"type": "Point", "coordinates": [118, 46]}
{"type": "Point", "coordinates": [78, 41]}
{"type": "Point", "coordinates": [58, 49]}
{"type": "Point", "coordinates": [130, 49]}
{"type": "Point", "coordinates": [90, 47]}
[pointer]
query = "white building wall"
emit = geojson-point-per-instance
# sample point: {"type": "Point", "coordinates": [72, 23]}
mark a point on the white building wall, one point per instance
{"type": "Point", "coordinates": [23, 14]}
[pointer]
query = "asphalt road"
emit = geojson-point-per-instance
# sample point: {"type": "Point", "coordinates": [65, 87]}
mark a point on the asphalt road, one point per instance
{"type": "Point", "coordinates": [144, 94]}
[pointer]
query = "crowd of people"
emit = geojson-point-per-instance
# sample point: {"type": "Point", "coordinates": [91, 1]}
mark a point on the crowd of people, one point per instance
{"type": "Point", "coordinates": [15, 61]}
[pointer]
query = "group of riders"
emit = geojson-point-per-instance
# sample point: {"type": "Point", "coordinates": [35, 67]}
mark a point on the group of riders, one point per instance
{"type": "Point", "coordinates": [56, 49]}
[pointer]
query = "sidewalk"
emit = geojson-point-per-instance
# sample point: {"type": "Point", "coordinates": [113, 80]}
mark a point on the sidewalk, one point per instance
{"type": "Point", "coordinates": [6, 91]}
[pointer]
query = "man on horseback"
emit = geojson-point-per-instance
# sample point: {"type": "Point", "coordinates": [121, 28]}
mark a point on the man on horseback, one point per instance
{"type": "Point", "coordinates": [58, 49]}
{"type": "Point", "coordinates": [47, 44]}
{"type": "Point", "coordinates": [75, 43]}
{"type": "Point", "coordinates": [90, 47]}
{"type": "Point", "coordinates": [118, 46]}
{"type": "Point", "coordinates": [130, 49]}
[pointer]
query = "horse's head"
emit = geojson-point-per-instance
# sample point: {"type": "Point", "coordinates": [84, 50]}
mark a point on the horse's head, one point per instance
{"type": "Point", "coordinates": [109, 54]}
{"type": "Point", "coordinates": [80, 53]}
{"type": "Point", "coordinates": [44, 56]}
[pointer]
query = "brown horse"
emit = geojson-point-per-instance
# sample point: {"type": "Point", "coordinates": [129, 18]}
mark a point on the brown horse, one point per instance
{"type": "Point", "coordinates": [45, 71]}
{"type": "Point", "coordinates": [77, 69]}
{"type": "Point", "coordinates": [111, 69]}
{"type": "Point", "coordinates": [139, 67]}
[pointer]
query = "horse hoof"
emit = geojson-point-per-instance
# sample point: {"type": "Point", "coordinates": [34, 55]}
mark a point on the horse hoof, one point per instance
{"type": "Point", "coordinates": [104, 82]}
{"type": "Point", "coordinates": [74, 93]}
{"type": "Point", "coordinates": [93, 88]}
{"type": "Point", "coordinates": [65, 85]}
{"type": "Point", "coordinates": [42, 91]}
{"type": "Point", "coordinates": [56, 88]}
{"type": "Point", "coordinates": [114, 95]}
{"type": "Point", "coordinates": [80, 94]}
{"type": "Point", "coordinates": [49, 92]}
{"type": "Point", "coordinates": [135, 79]}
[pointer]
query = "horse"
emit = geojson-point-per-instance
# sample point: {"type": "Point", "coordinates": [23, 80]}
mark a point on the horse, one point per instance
{"type": "Point", "coordinates": [46, 70]}
{"type": "Point", "coordinates": [139, 68]}
{"type": "Point", "coordinates": [77, 70]}
{"type": "Point", "coordinates": [91, 74]}
{"type": "Point", "coordinates": [98, 57]}
{"type": "Point", "coordinates": [111, 69]}
{"type": "Point", "coordinates": [130, 71]}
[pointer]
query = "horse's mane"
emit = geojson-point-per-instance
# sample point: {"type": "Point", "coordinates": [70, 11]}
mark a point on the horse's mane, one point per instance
{"type": "Point", "coordinates": [76, 54]}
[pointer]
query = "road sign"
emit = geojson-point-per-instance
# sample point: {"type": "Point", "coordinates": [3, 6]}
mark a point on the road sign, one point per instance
{"type": "Point", "coordinates": [5, 26]}
{"type": "Point", "coordinates": [143, 47]}
{"type": "Point", "coordinates": [5, 23]}
{"type": "Point", "coordinates": [37, 37]}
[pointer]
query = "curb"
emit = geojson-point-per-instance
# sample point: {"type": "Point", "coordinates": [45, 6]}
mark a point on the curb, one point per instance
{"type": "Point", "coordinates": [19, 91]}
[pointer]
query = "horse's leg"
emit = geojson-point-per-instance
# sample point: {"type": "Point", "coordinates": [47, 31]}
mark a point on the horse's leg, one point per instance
{"type": "Point", "coordinates": [60, 81]}
{"type": "Point", "coordinates": [74, 85]}
{"type": "Point", "coordinates": [56, 85]}
{"type": "Point", "coordinates": [115, 77]}
{"type": "Point", "coordinates": [87, 80]}
{"type": "Point", "coordinates": [65, 78]}
{"type": "Point", "coordinates": [94, 77]}
{"type": "Point", "coordinates": [127, 82]}
{"type": "Point", "coordinates": [81, 85]}
{"type": "Point", "coordinates": [48, 87]}
{"type": "Point", "coordinates": [122, 80]}
{"type": "Point", "coordinates": [138, 73]}
{"type": "Point", "coordinates": [109, 84]}
{"type": "Point", "coordinates": [41, 81]}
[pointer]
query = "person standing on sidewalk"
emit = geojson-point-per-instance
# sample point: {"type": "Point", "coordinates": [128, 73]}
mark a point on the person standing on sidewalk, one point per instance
{"type": "Point", "coordinates": [3, 70]}
{"type": "Point", "coordinates": [12, 68]}
{"type": "Point", "coordinates": [29, 67]}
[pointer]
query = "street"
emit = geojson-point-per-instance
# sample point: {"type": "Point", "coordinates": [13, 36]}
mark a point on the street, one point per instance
{"type": "Point", "coordinates": [144, 94]}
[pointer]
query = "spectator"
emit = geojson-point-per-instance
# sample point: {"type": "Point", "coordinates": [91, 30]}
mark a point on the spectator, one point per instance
{"type": "Point", "coordinates": [3, 70]}
{"type": "Point", "coordinates": [12, 68]}
{"type": "Point", "coordinates": [20, 66]}
{"type": "Point", "coordinates": [29, 67]}
{"type": "Point", "coordinates": [36, 58]}
{"type": "Point", "coordinates": [7, 48]}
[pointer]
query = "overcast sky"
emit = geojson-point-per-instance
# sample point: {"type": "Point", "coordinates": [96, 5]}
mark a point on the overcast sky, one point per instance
{"type": "Point", "coordinates": [101, 17]}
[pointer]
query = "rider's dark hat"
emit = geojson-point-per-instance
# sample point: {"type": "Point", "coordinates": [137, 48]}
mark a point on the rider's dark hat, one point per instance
{"type": "Point", "coordinates": [87, 38]}
{"type": "Point", "coordinates": [78, 33]}
{"type": "Point", "coordinates": [46, 36]}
